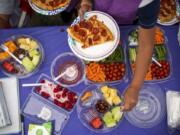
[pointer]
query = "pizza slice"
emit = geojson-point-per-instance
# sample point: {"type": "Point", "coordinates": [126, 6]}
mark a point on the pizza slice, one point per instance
{"type": "Point", "coordinates": [90, 32]}
{"type": "Point", "coordinates": [167, 10]}
{"type": "Point", "coordinates": [50, 4]}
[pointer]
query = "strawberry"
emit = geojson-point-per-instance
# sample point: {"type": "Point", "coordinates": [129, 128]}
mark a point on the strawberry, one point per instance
{"type": "Point", "coordinates": [70, 96]}
{"type": "Point", "coordinates": [38, 89]}
{"type": "Point", "coordinates": [61, 105]}
{"type": "Point", "coordinates": [64, 94]}
{"type": "Point", "coordinates": [96, 123]}
{"type": "Point", "coordinates": [58, 96]}
{"type": "Point", "coordinates": [60, 88]}
{"type": "Point", "coordinates": [74, 100]}
{"type": "Point", "coordinates": [45, 95]}
{"type": "Point", "coordinates": [68, 105]}
{"type": "Point", "coordinates": [56, 102]}
{"type": "Point", "coordinates": [42, 81]}
{"type": "Point", "coordinates": [55, 90]}
{"type": "Point", "coordinates": [8, 66]}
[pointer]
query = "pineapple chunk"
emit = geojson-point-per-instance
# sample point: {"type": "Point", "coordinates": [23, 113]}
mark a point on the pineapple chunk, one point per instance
{"type": "Point", "coordinates": [106, 95]}
{"type": "Point", "coordinates": [21, 41]}
{"type": "Point", "coordinates": [33, 45]}
{"type": "Point", "coordinates": [116, 100]}
{"type": "Point", "coordinates": [104, 89]}
{"type": "Point", "coordinates": [113, 93]}
{"type": "Point", "coordinates": [28, 41]}
{"type": "Point", "coordinates": [25, 47]}
{"type": "Point", "coordinates": [109, 100]}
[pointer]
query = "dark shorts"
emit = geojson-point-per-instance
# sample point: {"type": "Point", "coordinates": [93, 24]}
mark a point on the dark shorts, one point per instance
{"type": "Point", "coordinates": [148, 15]}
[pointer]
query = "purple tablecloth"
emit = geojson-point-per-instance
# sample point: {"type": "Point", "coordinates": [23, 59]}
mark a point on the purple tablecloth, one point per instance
{"type": "Point", "coordinates": [54, 41]}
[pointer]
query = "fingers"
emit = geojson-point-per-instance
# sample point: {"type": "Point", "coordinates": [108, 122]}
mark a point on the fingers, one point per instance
{"type": "Point", "coordinates": [128, 106]}
{"type": "Point", "coordinates": [83, 10]}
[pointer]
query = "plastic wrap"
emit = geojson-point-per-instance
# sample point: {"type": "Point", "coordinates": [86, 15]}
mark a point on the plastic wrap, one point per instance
{"type": "Point", "coordinates": [173, 109]}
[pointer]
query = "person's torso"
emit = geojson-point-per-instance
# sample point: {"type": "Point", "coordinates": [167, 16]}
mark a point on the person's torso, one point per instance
{"type": "Point", "coordinates": [123, 11]}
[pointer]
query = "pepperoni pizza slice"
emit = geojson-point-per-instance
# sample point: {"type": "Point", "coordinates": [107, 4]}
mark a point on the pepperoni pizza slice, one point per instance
{"type": "Point", "coordinates": [50, 4]}
{"type": "Point", "coordinates": [90, 32]}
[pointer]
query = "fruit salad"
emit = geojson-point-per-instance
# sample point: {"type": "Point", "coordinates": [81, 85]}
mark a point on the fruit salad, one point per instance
{"type": "Point", "coordinates": [99, 108]}
{"type": "Point", "coordinates": [27, 50]}
{"type": "Point", "coordinates": [111, 69]}
{"type": "Point", "coordinates": [160, 53]}
{"type": "Point", "coordinates": [57, 94]}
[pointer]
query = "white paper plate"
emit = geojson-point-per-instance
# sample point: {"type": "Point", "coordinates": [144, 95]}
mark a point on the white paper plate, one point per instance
{"type": "Point", "coordinates": [101, 51]}
{"type": "Point", "coordinates": [172, 22]}
{"type": "Point", "coordinates": [46, 12]}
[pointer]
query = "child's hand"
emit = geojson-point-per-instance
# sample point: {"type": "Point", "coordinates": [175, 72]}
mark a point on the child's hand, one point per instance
{"type": "Point", "coordinates": [130, 98]}
{"type": "Point", "coordinates": [85, 6]}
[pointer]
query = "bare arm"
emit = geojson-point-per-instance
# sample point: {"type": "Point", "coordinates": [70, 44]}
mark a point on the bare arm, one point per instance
{"type": "Point", "coordinates": [145, 49]}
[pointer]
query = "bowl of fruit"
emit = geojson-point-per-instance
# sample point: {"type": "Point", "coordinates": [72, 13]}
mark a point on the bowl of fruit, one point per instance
{"type": "Point", "coordinates": [160, 67]}
{"type": "Point", "coordinates": [99, 109]}
{"type": "Point", "coordinates": [69, 67]}
{"type": "Point", "coordinates": [109, 70]}
{"type": "Point", "coordinates": [27, 50]}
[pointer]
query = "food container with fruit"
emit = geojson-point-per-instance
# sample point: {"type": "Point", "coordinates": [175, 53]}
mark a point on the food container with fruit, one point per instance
{"type": "Point", "coordinates": [160, 53]}
{"type": "Point", "coordinates": [28, 50]}
{"type": "Point", "coordinates": [99, 109]}
{"type": "Point", "coordinates": [56, 94]}
{"type": "Point", "coordinates": [70, 66]}
{"type": "Point", "coordinates": [110, 70]}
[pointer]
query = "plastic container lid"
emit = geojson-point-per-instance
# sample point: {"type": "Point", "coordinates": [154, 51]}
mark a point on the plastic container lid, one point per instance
{"type": "Point", "coordinates": [35, 106]}
{"type": "Point", "coordinates": [150, 109]}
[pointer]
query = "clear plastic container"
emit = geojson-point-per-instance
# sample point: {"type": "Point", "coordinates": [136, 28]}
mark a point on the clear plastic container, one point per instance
{"type": "Point", "coordinates": [46, 12]}
{"type": "Point", "coordinates": [151, 107]}
{"type": "Point", "coordinates": [87, 112]}
{"type": "Point", "coordinates": [22, 72]}
{"type": "Point", "coordinates": [125, 76]}
{"type": "Point", "coordinates": [33, 107]}
{"type": "Point", "coordinates": [50, 99]}
{"type": "Point", "coordinates": [168, 59]}
{"type": "Point", "coordinates": [40, 109]}
{"type": "Point", "coordinates": [64, 61]}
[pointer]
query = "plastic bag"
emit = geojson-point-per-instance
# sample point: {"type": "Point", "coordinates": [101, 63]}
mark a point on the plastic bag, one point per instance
{"type": "Point", "coordinates": [173, 109]}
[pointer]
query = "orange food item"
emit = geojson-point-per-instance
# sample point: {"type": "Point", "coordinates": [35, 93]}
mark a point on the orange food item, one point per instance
{"type": "Point", "coordinates": [101, 72]}
{"type": "Point", "coordinates": [12, 47]}
{"type": "Point", "coordinates": [159, 37]}
{"type": "Point", "coordinates": [95, 73]}
{"type": "Point", "coordinates": [86, 96]}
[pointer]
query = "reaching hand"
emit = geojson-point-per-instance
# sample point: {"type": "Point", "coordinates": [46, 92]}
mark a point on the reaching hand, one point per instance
{"type": "Point", "coordinates": [86, 5]}
{"type": "Point", "coordinates": [130, 99]}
